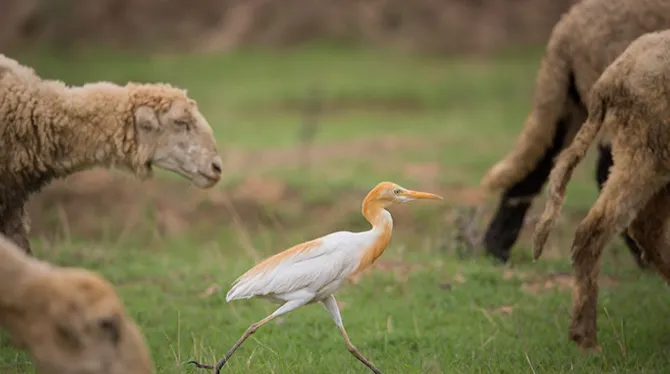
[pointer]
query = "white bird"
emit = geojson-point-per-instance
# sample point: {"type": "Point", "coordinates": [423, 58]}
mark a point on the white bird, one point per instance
{"type": "Point", "coordinates": [313, 271]}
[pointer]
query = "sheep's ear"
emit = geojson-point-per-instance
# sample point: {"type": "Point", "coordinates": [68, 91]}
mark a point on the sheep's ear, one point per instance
{"type": "Point", "coordinates": [146, 119]}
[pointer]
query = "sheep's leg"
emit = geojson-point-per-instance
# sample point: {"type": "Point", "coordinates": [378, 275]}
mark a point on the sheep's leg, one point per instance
{"type": "Point", "coordinates": [650, 231]}
{"type": "Point", "coordinates": [626, 191]}
{"type": "Point", "coordinates": [602, 171]}
{"type": "Point", "coordinates": [507, 221]}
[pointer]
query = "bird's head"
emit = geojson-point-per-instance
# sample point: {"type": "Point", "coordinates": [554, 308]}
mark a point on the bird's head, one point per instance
{"type": "Point", "coordinates": [389, 193]}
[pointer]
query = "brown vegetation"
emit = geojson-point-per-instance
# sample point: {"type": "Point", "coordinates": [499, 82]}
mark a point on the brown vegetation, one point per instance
{"type": "Point", "coordinates": [69, 320]}
{"type": "Point", "coordinates": [630, 103]}
{"type": "Point", "coordinates": [50, 130]}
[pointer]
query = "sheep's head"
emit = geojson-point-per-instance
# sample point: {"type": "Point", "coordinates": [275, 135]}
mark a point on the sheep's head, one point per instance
{"type": "Point", "coordinates": [174, 135]}
{"type": "Point", "coordinates": [76, 324]}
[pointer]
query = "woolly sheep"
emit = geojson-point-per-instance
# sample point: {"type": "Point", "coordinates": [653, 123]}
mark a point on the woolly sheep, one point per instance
{"type": "Point", "coordinates": [582, 44]}
{"type": "Point", "coordinates": [49, 130]}
{"type": "Point", "coordinates": [630, 103]}
{"type": "Point", "coordinates": [69, 320]}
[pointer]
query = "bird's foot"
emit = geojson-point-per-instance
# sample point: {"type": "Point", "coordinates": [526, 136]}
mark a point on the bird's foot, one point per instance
{"type": "Point", "coordinates": [199, 365]}
{"type": "Point", "coordinates": [217, 368]}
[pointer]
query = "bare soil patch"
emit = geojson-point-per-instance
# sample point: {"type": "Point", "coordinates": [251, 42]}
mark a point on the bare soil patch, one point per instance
{"type": "Point", "coordinates": [558, 281]}
{"type": "Point", "coordinates": [450, 26]}
{"type": "Point", "coordinates": [100, 204]}
{"type": "Point", "coordinates": [378, 147]}
{"type": "Point", "coordinates": [333, 106]}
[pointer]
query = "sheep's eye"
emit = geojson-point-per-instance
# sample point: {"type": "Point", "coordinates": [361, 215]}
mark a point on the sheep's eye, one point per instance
{"type": "Point", "coordinates": [111, 327]}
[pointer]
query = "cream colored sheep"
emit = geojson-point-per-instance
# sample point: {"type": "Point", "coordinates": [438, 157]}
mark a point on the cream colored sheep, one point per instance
{"type": "Point", "coordinates": [49, 130]}
{"type": "Point", "coordinates": [69, 320]}
{"type": "Point", "coordinates": [630, 104]}
{"type": "Point", "coordinates": [582, 44]}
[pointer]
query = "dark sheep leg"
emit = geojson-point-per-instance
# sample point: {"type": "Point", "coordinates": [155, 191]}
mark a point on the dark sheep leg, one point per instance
{"type": "Point", "coordinates": [507, 221]}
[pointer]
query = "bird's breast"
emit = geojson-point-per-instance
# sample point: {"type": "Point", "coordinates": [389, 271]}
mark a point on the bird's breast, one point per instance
{"type": "Point", "coordinates": [372, 250]}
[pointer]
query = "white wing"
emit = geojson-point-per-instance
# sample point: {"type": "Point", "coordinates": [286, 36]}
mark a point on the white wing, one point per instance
{"type": "Point", "coordinates": [308, 266]}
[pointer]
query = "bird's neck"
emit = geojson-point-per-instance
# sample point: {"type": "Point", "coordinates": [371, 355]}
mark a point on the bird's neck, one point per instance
{"type": "Point", "coordinates": [382, 227]}
{"type": "Point", "coordinates": [374, 212]}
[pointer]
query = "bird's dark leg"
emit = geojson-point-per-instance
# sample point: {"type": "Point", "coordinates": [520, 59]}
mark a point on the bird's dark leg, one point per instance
{"type": "Point", "coordinates": [331, 306]}
{"type": "Point", "coordinates": [289, 306]}
{"type": "Point", "coordinates": [252, 329]}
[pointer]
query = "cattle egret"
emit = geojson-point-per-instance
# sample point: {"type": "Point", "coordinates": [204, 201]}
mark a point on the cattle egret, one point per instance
{"type": "Point", "coordinates": [313, 271]}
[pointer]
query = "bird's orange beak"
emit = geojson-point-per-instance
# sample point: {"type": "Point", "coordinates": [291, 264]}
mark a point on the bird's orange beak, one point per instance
{"type": "Point", "coordinates": [422, 195]}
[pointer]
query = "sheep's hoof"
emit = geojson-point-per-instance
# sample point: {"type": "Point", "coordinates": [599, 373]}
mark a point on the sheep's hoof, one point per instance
{"type": "Point", "coordinates": [596, 349]}
{"type": "Point", "coordinates": [587, 342]}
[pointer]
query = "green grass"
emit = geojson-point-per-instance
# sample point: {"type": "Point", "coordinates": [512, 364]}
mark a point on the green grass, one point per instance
{"type": "Point", "coordinates": [445, 314]}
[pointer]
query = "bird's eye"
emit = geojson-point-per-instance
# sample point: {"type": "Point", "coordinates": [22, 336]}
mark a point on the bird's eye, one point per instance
{"type": "Point", "coordinates": [396, 191]}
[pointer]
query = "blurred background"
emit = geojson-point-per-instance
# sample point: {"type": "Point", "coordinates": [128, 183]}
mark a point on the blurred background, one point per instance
{"type": "Point", "coordinates": [448, 26]}
{"type": "Point", "coordinates": [313, 102]}
{"type": "Point", "coordinates": [304, 96]}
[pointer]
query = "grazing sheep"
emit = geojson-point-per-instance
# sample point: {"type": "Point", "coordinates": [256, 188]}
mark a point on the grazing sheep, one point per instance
{"type": "Point", "coordinates": [49, 130]}
{"type": "Point", "coordinates": [631, 103]}
{"type": "Point", "coordinates": [582, 44]}
{"type": "Point", "coordinates": [69, 320]}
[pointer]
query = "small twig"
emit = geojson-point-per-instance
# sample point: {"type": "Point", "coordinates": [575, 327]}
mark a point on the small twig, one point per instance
{"type": "Point", "coordinates": [10, 366]}
{"type": "Point", "coordinates": [472, 229]}
{"type": "Point", "coordinates": [620, 342]}
{"type": "Point", "coordinates": [242, 231]}
{"type": "Point", "coordinates": [130, 223]}
{"type": "Point", "coordinates": [489, 340]}
{"type": "Point", "coordinates": [529, 363]}
{"type": "Point", "coordinates": [157, 232]}
{"type": "Point", "coordinates": [64, 222]}
{"type": "Point", "coordinates": [466, 236]}
{"type": "Point", "coordinates": [276, 223]}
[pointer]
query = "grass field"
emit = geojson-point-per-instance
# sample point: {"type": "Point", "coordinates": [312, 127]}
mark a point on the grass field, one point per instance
{"type": "Point", "coordinates": [427, 123]}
